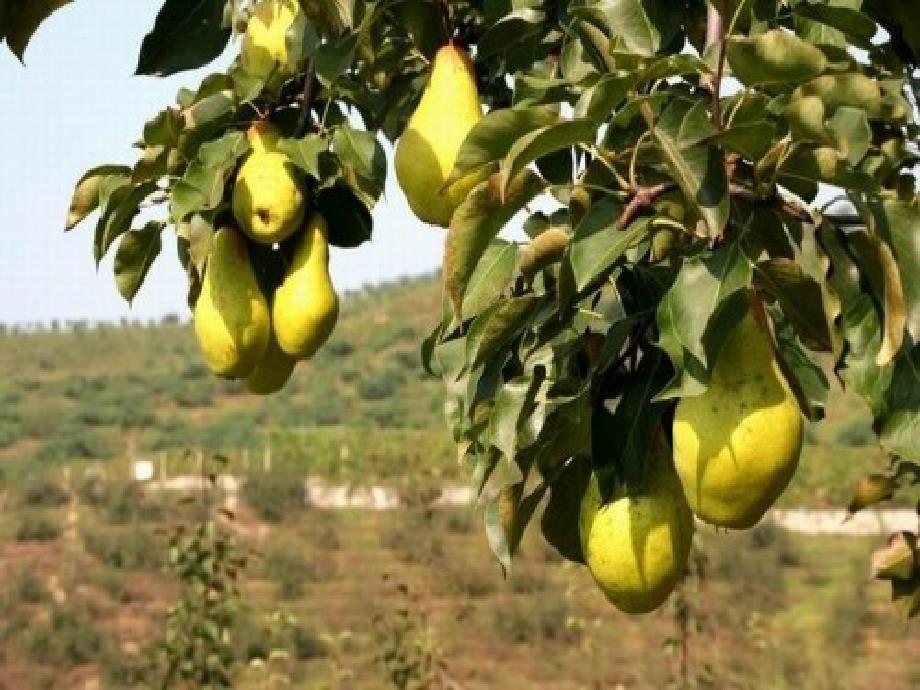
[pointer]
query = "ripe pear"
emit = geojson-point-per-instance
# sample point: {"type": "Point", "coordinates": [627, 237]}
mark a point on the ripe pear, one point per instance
{"type": "Point", "coordinates": [637, 546]}
{"type": "Point", "coordinates": [264, 52]}
{"type": "Point", "coordinates": [231, 315]}
{"type": "Point", "coordinates": [273, 371]}
{"type": "Point", "coordinates": [306, 307]}
{"type": "Point", "coordinates": [268, 200]}
{"type": "Point", "coordinates": [737, 445]}
{"type": "Point", "coordinates": [427, 150]}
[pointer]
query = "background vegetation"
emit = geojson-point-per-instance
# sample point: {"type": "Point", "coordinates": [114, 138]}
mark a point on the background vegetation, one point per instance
{"type": "Point", "coordinates": [358, 599]}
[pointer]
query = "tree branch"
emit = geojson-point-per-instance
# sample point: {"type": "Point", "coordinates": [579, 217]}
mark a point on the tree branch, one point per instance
{"type": "Point", "coordinates": [642, 198]}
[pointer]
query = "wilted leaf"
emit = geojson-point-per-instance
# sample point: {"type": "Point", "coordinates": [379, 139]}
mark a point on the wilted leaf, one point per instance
{"type": "Point", "coordinates": [86, 194]}
{"type": "Point", "coordinates": [870, 490]}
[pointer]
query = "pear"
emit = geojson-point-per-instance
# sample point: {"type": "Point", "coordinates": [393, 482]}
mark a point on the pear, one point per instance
{"type": "Point", "coordinates": [231, 315]}
{"type": "Point", "coordinates": [636, 546]}
{"type": "Point", "coordinates": [264, 52]}
{"type": "Point", "coordinates": [737, 445]}
{"type": "Point", "coordinates": [268, 201]}
{"type": "Point", "coordinates": [427, 150]}
{"type": "Point", "coordinates": [306, 307]}
{"type": "Point", "coordinates": [272, 372]}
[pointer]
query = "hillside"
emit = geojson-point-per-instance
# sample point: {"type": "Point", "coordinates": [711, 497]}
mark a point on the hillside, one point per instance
{"type": "Point", "coordinates": [83, 548]}
{"type": "Point", "coordinates": [362, 410]}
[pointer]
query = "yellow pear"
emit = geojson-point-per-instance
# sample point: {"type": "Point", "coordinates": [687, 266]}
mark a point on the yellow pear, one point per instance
{"type": "Point", "coordinates": [637, 546]}
{"type": "Point", "coordinates": [737, 445]}
{"type": "Point", "coordinates": [306, 307]}
{"type": "Point", "coordinates": [231, 315]}
{"type": "Point", "coordinates": [272, 372]}
{"type": "Point", "coordinates": [264, 52]}
{"type": "Point", "coordinates": [427, 150]}
{"type": "Point", "coordinates": [268, 200]}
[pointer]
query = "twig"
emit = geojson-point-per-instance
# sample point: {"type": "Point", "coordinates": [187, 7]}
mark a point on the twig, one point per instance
{"type": "Point", "coordinates": [642, 198]}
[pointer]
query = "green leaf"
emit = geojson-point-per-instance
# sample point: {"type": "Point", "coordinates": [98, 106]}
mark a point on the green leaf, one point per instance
{"type": "Point", "coordinates": [644, 26]}
{"type": "Point", "coordinates": [86, 194]}
{"type": "Point", "coordinates": [514, 28]}
{"type": "Point", "coordinates": [541, 142]}
{"type": "Point", "coordinates": [600, 100]}
{"type": "Point", "coordinates": [899, 428]}
{"type": "Point", "coordinates": [334, 57]}
{"type": "Point", "coordinates": [863, 334]}
{"type": "Point", "coordinates": [560, 519]}
{"type": "Point", "coordinates": [490, 278]}
{"type": "Point", "coordinates": [493, 136]}
{"type": "Point", "coordinates": [846, 20]}
{"type": "Point", "coordinates": [800, 297]}
{"type": "Point", "coordinates": [202, 186]}
{"type": "Point", "coordinates": [699, 170]}
{"type": "Point", "coordinates": [501, 327]}
{"type": "Point", "coordinates": [119, 211]}
{"type": "Point", "coordinates": [692, 313]}
{"type": "Point", "coordinates": [806, 378]}
{"type": "Point", "coordinates": [187, 34]}
{"type": "Point", "coordinates": [363, 161]}
{"type": "Point", "coordinates": [476, 222]}
{"type": "Point", "coordinates": [311, 154]}
{"type": "Point", "coordinates": [20, 19]}
{"type": "Point", "coordinates": [852, 133]}
{"type": "Point", "coordinates": [349, 220]}
{"type": "Point", "coordinates": [598, 243]}
{"type": "Point", "coordinates": [136, 253]}
{"type": "Point", "coordinates": [622, 439]}
{"type": "Point", "coordinates": [512, 408]}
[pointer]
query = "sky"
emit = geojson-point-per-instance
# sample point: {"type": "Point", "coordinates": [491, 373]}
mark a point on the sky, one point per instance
{"type": "Point", "coordinates": [75, 105]}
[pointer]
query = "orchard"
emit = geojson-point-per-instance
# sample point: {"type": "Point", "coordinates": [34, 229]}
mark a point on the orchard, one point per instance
{"type": "Point", "coordinates": [669, 228]}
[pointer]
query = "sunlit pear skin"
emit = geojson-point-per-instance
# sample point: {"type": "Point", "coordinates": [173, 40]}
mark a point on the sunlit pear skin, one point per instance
{"type": "Point", "coordinates": [273, 371]}
{"type": "Point", "coordinates": [231, 315]}
{"type": "Point", "coordinates": [306, 306]}
{"type": "Point", "coordinates": [636, 547]}
{"type": "Point", "coordinates": [268, 199]}
{"type": "Point", "coordinates": [427, 150]}
{"type": "Point", "coordinates": [264, 53]}
{"type": "Point", "coordinates": [737, 445]}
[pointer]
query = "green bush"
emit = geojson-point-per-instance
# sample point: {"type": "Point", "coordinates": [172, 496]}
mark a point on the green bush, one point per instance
{"type": "Point", "coordinates": [339, 347]}
{"type": "Point", "coordinates": [68, 638]}
{"type": "Point", "coordinates": [44, 493]}
{"type": "Point", "coordinates": [74, 443]}
{"type": "Point", "coordinates": [273, 495]}
{"type": "Point", "coordinates": [34, 526]}
{"type": "Point", "coordinates": [28, 588]}
{"type": "Point", "coordinates": [191, 394]}
{"type": "Point", "coordinates": [125, 549]}
{"type": "Point", "coordinates": [381, 385]}
{"type": "Point", "coordinates": [855, 435]}
{"type": "Point", "coordinates": [285, 564]}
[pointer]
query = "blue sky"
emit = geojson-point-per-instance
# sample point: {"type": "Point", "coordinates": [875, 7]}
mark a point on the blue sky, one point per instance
{"type": "Point", "coordinates": [76, 105]}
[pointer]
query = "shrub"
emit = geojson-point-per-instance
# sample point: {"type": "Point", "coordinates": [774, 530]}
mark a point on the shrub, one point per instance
{"type": "Point", "coordinates": [74, 443]}
{"type": "Point", "coordinates": [381, 385]}
{"type": "Point", "coordinates": [44, 493]}
{"type": "Point", "coordinates": [68, 638]}
{"type": "Point", "coordinates": [37, 527]}
{"type": "Point", "coordinates": [339, 347]}
{"type": "Point", "coordinates": [191, 394]}
{"type": "Point", "coordinates": [273, 495]}
{"type": "Point", "coordinates": [286, 565]}
{"type": "Point", "coordinates": [131, 549]}
{"type": "Point", "coordinates": [855, 435]}
{"type": "Point", "coordinates": [29, 589]}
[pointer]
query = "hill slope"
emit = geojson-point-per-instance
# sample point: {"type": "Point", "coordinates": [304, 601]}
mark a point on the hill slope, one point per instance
{"type": "Point", "coordinates": [362, 409]}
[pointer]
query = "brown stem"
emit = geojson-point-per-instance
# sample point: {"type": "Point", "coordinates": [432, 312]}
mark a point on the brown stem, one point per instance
{"type": "Point", "coordinates": [642, 198]}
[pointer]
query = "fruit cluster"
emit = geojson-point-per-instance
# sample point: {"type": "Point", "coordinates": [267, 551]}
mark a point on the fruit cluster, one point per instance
{"type": "Point", "coordinates": [242, 333]}
{"type": "Point", "coordinates": [735, 449]}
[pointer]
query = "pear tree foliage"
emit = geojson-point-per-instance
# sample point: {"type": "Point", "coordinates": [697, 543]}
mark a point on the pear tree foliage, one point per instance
{"type": "Point", "coordinates": [667, 160]}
